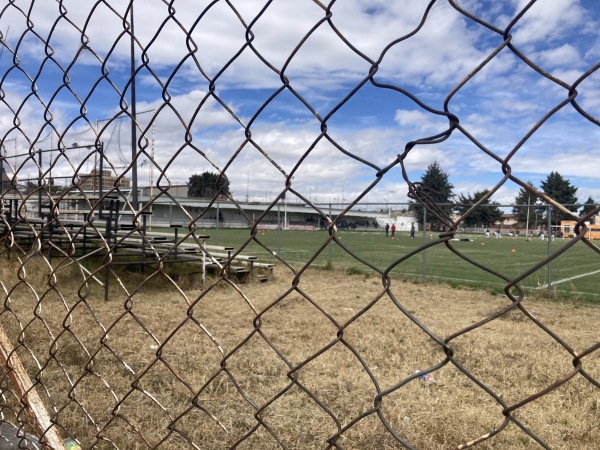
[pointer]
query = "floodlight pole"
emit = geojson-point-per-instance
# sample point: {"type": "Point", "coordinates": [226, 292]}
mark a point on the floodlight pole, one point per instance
{"type": "Point", "coordinates": [285, 219]}
{"type": "Point", "coordinates": [389, 207]}
{"type": "Point", "coordinates": [134, 180]}
{"type": "Point", "coordinates": [278, 228]}
{"type": "Point", "coordinates": [152, 165]}
{"type": "Point", "coordinates": [527, 226]}
{"type": "Point", "coordinates": [217, 223]}
{"type": "Point", "coordinates": [328, 224]}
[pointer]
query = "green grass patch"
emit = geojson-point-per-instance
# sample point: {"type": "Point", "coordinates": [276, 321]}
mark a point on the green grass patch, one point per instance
{"type": "Point", "coordinates": [574, 274]}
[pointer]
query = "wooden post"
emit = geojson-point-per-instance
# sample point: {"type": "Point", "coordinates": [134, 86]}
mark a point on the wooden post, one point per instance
{"type": "Point", "coordinates": [28, 395]}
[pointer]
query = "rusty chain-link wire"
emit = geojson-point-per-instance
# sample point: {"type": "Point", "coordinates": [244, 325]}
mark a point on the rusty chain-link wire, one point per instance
{"type": "Point", "coordinates": [155, 383]}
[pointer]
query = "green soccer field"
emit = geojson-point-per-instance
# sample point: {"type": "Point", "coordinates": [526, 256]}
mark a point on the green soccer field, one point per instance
{"type": "Point", "coordinates": [574, 273]}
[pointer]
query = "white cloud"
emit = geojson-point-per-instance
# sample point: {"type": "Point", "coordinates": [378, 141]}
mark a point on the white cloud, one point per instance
{"type": "Point", "coordinates": [548, 20]}
{"type": "Point", "coordinates": [589, 99]}
{"type": "Point", "coordinates": [498, 106]}
{"type": "Point", "coordinates": [568, 163]}
{"type": "Point", "coordinates": [441, 48]}
{"type": "Point", "coordinates": [422, 122]}
{"type": "Point", "coordinates": [563, 56]}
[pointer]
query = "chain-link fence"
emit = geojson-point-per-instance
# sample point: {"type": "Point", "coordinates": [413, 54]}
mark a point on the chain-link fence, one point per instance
{"type": "Point", "coordinates": [135, 316]}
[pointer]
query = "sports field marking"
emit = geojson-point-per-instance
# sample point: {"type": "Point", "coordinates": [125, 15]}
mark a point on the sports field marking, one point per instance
{"type": "Point", "coordinates": [564, 280]}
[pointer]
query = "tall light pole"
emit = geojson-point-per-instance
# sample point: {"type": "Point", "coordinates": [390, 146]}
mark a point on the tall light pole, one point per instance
{"type": "Point", "coordinates": [388, 202]}
{"type": "Point", "coordinates": [134, 180]}
{"type": "Point", "coordinates": [285, 226]}
{"type": "Point", "coordinates": [247, 187]}
{"type": "Point", "coordinates": [527, 226]}
{"type": "Point", "coordinates": [538, 202]}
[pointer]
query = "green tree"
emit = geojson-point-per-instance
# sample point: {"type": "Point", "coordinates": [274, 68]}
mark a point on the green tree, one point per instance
{"type": "Point", "coordinates": [436, 191]}
{"type": "Point", "coordinates": [208, 185]}
{"type": "Point", "coordinates": [560, 189]}
{"type": "Point", "coordinates": [589, 205]}
{"type": "Point", "coordinates": [486, 214]}
{"type": "Point", "coordinates": [524, 205]}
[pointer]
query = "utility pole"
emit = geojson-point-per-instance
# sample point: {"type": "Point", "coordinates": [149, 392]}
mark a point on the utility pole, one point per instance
{"type": "Point", "coordinates": [527, 225]}
{"type": "Point", "coordinates": [134, 180]}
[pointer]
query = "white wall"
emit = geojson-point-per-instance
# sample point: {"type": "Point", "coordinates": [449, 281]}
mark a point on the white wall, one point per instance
{"type": "Point", "coordinates": [403, 222]}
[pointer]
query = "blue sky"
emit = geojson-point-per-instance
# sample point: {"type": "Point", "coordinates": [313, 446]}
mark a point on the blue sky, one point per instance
{"type": "Point", "coordinates": [498, 106]}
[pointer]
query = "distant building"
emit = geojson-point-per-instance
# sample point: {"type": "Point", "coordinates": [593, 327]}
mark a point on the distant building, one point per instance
{"type": "Point", "coordinates": [91, 181]}
{"type": "Point", "coordinates": [177, 191]}
{"type": "Point", "coordinates": [402, 219]}
{"type": "Point", "coordinates": [567, 229]}
{"type": "Point", "coordinates": [509, 220]}
{"type": "Point", "coordinates": [175, 207]}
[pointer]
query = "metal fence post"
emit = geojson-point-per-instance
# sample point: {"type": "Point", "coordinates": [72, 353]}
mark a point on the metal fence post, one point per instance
{"type": "Point", "coordinates": [278, 229]}
{"type": "Point", "coordinates": [217, 224]}
{"type": "Point", "coordinates": [423, 257]}
{"type": "Point", "coordinates": [550, 235]}
{"type": "Point", "coordinates": [328, 231]}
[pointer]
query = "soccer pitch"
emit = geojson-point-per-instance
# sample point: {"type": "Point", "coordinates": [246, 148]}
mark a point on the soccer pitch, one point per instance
{"type": "Point", "coordinates": [574, 273]}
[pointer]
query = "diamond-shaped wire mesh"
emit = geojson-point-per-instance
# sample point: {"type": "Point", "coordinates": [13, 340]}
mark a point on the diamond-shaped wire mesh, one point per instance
{"type": "Point", "coordinates": [116, 336]}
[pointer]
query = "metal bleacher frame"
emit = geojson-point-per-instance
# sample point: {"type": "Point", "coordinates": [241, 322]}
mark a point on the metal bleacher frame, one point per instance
{"type": "Point", "coordinates": [125, 239]}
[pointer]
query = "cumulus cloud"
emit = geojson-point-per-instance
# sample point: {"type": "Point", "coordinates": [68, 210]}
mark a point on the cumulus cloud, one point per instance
{"type": "Point", "coordinates": [548, 21]}
{"type": "Point", "coordinates": [235, 52]}
{"type": "Point", "coordinates": [421, 122]}
{"type": "Point", "coordinates": [563, 56]}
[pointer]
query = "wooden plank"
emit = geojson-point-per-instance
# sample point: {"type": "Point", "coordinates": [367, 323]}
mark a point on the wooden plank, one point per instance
{"type": "Point", "coordinates": [218, 248]}
{"type": "Point", "coordinates": [263, 265]}
{"type": "Point", "coordinates": [240, 257]}
{"type": "Point", "coordinates": [28, 396]}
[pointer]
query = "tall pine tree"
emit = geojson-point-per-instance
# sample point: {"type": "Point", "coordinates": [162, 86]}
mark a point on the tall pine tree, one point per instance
{"type": "Point", "coordinates": [588, 206]}
{"type": "Point", "coordinates": [486, 214]}
{"type": "Point", "coordinates": [560, 189]}
{"type": "Point", "coordinates": [437, 187]}
{"type": "Point", "coordinates": [525, 206]}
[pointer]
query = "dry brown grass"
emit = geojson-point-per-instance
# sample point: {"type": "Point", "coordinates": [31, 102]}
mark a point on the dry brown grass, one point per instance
{"type": "Point", "coordinates": [166, 367]}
